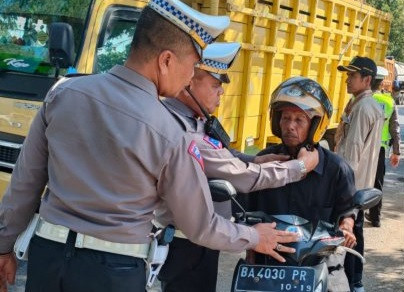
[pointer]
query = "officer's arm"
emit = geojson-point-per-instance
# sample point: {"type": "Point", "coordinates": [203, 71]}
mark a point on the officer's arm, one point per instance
{"type": "Point", "coordinates": [259, 159]}
{"type": "Point", "coordinates": [220, 163]}
{"type": "Point", "coordinates": [183, 186]}
{"type": "Point", "coordinates": [28, 181]}
{"type": "Point", "coordinates": [242, 156]}
{"type": "Point", "coordinates": [394, 130]}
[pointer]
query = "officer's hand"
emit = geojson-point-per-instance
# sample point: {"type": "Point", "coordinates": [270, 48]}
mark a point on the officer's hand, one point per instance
{"type": "Point", "coordinates": [271, 157]}
{"type": "Point", "coordinates": [310, 158]}
{"type": "Point", "coordinates": [394, 160]}
{"type": "Point", "coordinates": [8, 268]}
{"type": "Point", "coordinates": [270, 240]}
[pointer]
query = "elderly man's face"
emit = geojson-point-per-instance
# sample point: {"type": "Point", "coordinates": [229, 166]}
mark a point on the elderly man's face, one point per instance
{"type": "Point", "coordinates": [294, 126]}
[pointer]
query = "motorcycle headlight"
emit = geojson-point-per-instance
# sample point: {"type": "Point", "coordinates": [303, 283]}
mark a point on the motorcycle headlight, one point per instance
{"type": "Point", "coordinates": [319, 287]}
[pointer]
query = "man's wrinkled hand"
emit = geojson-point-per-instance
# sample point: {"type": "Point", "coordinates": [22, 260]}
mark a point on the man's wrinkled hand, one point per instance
{"type": "Point", "coordinates": [8, 269]}
{"type": "Point", "coordinates": [270, 240]}
{"type": "Point", "coordinates": [346, 226]}
{"type": "Point", "coordinates": [310, 158]}
{"type": "Point", "coordinates": [350, 239]}
{"type": "Point", "coordinates": [270, 158]}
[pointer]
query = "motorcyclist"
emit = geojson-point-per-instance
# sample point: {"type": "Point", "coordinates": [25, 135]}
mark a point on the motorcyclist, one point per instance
{"type": "Point", "coordinates": [300, 114]}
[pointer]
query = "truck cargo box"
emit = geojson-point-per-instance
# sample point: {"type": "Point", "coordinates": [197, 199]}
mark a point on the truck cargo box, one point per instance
{"type": "Point", "coordinates": [281, 39]}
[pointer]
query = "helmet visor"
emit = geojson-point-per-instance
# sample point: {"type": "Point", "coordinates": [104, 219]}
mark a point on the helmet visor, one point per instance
{"type": "Point", "coordinates": [294, 97]}
{"type": "Point", "coordinates": [296, 91]}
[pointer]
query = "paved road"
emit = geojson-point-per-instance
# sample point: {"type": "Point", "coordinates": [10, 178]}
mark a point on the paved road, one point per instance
{"type": "Point", "coordinates": [384, 250]}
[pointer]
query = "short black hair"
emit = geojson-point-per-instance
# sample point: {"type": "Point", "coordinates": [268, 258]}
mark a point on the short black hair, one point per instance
{"type": "Point", "coordinates": [155, 34]}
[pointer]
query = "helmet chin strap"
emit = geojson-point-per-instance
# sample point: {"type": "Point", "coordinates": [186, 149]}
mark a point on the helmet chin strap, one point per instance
{"type": "Point", "coordinates": [306, 144]}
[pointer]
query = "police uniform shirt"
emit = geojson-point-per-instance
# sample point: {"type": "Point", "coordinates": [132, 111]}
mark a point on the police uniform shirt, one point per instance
{"type": "Point", "coordinates": [220, 163]}
{"type": "Point", "coordinates": [322, 195]}
{"type": "Point", "coordinates": [111, 153]}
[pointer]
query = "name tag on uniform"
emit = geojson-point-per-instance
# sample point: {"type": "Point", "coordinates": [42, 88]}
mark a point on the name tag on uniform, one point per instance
{"type": "Point", "coordinates": [194, 151]}
{"type": "Point", "coordinates": [216, 144]}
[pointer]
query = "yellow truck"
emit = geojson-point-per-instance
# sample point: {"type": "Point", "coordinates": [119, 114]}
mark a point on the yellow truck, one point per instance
{"type": "Point", "coordinates": [280, 38]}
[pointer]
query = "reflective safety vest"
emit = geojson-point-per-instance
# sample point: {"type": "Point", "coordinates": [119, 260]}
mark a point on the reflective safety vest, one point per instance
{"type": "Point", "coordinates": [386, 101]}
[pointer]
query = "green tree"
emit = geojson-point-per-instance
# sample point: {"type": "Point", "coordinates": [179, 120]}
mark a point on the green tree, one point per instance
{"type": "Point", "coordinates": [396, 38]}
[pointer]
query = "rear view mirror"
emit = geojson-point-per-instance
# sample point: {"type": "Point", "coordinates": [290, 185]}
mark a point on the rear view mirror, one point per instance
{"type": "Point", "coordinates": [61, 45]}
{"type": "Point", "coordinates": [367, 198]}
{"type": "Point", "coordinates": [221, 190]}
{"type": "Point", "coordinates": [362, 200]}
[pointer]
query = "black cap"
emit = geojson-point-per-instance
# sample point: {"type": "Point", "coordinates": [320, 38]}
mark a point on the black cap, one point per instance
{"type": "Point", "coordinates": [363, 65]}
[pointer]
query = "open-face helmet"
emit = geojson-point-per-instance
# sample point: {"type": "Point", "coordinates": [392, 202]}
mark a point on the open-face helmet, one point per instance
{"type": "Point", "coordinates": [309, 96]}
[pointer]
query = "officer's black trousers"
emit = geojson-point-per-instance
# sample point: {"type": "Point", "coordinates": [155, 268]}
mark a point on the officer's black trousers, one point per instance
{"type": "Point", "coordinates": [375, 212]}
{"type": "Point", "coordinates": [54, 267]}
{"type": "Point", "coordinates": [189, 267]}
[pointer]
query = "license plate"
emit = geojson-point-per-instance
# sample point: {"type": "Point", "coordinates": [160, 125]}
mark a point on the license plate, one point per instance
{"type": "Point", "coordinates": [274, 279]}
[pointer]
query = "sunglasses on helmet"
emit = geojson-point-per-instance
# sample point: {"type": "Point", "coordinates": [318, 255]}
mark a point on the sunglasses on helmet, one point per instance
{"type": "Point", "coordinates": [311, 87]}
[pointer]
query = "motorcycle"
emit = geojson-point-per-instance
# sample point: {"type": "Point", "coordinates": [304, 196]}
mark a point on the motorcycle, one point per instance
{"type": "Point", "coordinates": [306, 269]}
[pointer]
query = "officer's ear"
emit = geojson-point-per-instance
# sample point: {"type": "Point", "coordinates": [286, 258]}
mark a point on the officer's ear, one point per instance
{"type": "Point", "coordinates": [193, 83]}
{"type": "Point", "coordinates": [165, 61]}
{"type": "Point", "coordinates": [368, 79]}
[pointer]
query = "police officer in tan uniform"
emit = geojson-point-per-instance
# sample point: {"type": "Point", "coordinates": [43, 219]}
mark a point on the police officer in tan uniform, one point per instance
{"type": "Point", "coordinates": [190, 267]}
{"type": "Point", "coordinates": [110, 153]}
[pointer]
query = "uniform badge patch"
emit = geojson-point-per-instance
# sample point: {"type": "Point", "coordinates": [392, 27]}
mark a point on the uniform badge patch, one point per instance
{"type": "Point", "coordinates": [194, 151]}
{"type": "Point", "coordinates": [216, 144]}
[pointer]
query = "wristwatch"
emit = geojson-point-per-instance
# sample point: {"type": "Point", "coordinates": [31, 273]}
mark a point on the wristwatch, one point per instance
{"type": "Point", "coordinates": [303, 169]}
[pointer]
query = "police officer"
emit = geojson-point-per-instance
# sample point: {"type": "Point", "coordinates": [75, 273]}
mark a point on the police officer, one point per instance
{"type": "Point", "coordinates": [110, 153]}
{"type": "Point", "coordinates": [390, 136]}
{"type": "Point", "coordinates": [190, 267]}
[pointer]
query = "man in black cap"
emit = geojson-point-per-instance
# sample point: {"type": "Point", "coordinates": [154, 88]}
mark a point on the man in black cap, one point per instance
{"type": "Point", "coordinates": [358, 140]}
